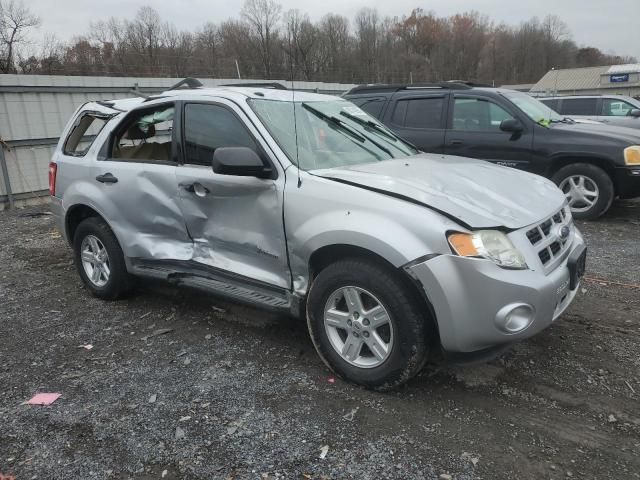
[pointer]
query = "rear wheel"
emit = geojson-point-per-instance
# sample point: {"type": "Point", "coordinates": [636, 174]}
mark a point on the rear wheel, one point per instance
{"type": "Point", "coordinates": [588, 189]}
{"type": "Point", "coordinates": [366, 324]}
{"type": "Point", "coordinates": [99, 260]}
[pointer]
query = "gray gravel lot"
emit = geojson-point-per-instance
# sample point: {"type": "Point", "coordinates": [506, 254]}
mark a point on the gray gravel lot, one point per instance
{"type": "Point", "coordinates": [231, 392]}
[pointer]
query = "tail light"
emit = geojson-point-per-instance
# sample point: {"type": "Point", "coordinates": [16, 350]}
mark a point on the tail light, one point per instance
{"type": "Point", "coordinates": [53, 170]}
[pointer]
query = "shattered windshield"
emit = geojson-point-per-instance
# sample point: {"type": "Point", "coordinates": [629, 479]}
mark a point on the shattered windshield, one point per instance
{"type": "Point", "coordinates": [534, 109]}
{"type": "Point", "coordinates": [329, 133]}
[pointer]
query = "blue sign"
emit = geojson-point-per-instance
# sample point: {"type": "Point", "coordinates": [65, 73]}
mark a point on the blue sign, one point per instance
{"type": "Point", "coordinates": [623, 77]}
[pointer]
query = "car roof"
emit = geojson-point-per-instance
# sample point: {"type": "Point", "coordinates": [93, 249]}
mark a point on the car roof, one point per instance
{"type": "Point", "coordinates": [238, 94]}
{"type": "Point", "coordinates": [391, 89]}
{"type": "Point", "coordinates": [612, 95]}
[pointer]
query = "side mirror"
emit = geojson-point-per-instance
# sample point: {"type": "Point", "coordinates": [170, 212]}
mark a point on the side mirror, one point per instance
{"type": "Point", "coordinates": [240, 161]}
{"type": "Point", "coordinates": [511, 125]}
{"type": "Point", "coordinates": [635, 113]}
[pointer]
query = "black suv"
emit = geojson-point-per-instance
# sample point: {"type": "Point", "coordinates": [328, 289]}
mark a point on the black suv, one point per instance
{"type": "Point", "coordinates": [591, 163]}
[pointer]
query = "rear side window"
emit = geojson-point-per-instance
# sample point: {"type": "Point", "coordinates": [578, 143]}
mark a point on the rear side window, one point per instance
{"type": "Point", "coordinates": [207, 127]}
{"type": "Point", "coordinates": [579, 106]}
{"type": "Point", "coordinates": [418, 112]}
{"type": "Point", "coordinates": [84, 132]}
{"type": "Point", "coordinates": [373, 106]}
{"type": "Point", "coordinates": [146, 135]}
{"type": "Point", "coordinates": [552, 104]}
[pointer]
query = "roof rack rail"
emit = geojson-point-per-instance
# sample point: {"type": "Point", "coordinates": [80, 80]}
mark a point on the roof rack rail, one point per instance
{"type": "Point", "coordinates": [273, 85]}
{"type": "Point", "coordinates": [109, 104]}
{"type": "Point", "coordinates": [136, 91]}
{"type": "Point", "coordinates": [190, 82]}
{"type": "Point", "coordinates": [395, 87]}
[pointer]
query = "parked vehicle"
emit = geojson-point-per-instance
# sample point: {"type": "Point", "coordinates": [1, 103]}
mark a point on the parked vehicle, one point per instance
{"type": "Point", "coordinates": [592, 164]}
{"type": "Point", "coordinates": [617, 110]}
{"type": "Point", "coordinates": [327, 215]}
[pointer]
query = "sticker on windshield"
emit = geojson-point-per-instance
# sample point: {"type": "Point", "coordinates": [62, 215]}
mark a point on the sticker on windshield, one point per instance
{"type": "Point", "coordinates": [354, 111]}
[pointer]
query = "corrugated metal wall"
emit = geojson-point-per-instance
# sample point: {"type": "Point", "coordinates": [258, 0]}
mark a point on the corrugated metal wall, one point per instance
{"type": "Point", "coordinates": [35, 108]}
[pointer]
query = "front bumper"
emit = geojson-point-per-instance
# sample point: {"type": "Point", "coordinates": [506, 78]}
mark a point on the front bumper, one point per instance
{"type": "Point", "coordinates": [627, 181]}
{"type": "Point", "coordinates": [471, 296]}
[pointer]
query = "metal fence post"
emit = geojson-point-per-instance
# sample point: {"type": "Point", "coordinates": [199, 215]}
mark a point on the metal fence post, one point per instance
{"type": "Point", "coordinates": [5, 175]}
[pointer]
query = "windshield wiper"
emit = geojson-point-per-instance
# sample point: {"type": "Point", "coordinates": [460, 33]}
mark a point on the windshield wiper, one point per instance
{"type": "Point", "coordinates": [344, 127]}
{"type": "Point", "coordinates": [370, 124]}
{"type": "Point", "coordinates": [568, 120]}
{"type": "Point", "coordinates": [335, 122]}
{"type": "Point", "coordinates": [377, 128]}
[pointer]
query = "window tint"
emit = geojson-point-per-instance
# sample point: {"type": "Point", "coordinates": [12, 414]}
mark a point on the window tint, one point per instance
{"type": "Point", "coordinates": [146, 135]}
{"type": "Point", "coordinates": [477, 114]}
{"type": "Point", "coordinates": [418, 112]}
{"type": "Point", "coordinates": [612, 107]}
{"type": "Point", "coordinates": [579, 106]}
{"type": "Point", "coordinates": [207, 127]}
{"type": "Point", "coordinates": [373, 106]}
{"type": "Point", "coordinates": [83, 133]}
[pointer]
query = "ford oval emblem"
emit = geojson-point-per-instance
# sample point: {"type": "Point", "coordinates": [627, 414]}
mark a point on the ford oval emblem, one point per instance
{"type": "Point", "coordinates": [564, 232]}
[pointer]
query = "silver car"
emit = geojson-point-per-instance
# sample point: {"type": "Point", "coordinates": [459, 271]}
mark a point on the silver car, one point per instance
{"type": "Point", "coordinates": [303, 204]}
{"type": "Point", "coordinates": [617, 110]}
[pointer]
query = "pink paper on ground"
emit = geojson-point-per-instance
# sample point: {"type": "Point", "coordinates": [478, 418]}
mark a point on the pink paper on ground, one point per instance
{"type": "Point", "coordinates": [43, 399]}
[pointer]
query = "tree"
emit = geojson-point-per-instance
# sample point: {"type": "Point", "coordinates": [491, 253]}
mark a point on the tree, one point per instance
{"type": "Point", "coordinates": [263, 17]}
{"type": "Point", "coordinates": [15, 22]}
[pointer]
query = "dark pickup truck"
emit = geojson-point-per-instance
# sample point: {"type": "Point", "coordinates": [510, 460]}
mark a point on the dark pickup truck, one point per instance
{"type": "Point", "coordinates": [591, 163]}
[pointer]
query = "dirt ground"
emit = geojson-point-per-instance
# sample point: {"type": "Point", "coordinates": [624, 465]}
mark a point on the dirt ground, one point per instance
{"type": "Point", "coordinates": [232, 392]}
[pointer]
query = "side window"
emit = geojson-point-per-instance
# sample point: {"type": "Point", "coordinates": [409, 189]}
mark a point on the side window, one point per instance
{"type": "Point", "coordinates": [477, 114]}
{"type": "Point", "coordinates": [579, 106]}
{"type": "Point", "coordinates": [146, 135]}
{"type": "Point", "coordinates": [207, 127]}
{"type": "Point", "coordinates": [612, 107]}
{"type": "Point", "coordinates": [373, 106]}
{"type": "Point", "coordinates": [418, 112]}
{"type": "Point", "coordinates": [83, 133]}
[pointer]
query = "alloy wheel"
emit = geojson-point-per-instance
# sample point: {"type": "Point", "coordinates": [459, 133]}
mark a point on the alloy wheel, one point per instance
{"type": "Point", "coordinates": [359, 327]}
{"type": "Point", "coordinates": [95, 260]}
{"type": "Point", "coordinates": [581, 191]}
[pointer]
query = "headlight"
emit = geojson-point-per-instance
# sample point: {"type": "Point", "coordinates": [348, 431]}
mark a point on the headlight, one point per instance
{"type": "Point", "coordinates": [490, 244]}
{"type": "Point", "coordinates": [632, 155]}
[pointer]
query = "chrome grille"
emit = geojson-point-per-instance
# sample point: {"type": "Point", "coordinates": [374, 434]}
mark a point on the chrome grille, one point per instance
{"type": "Point", "coordinates": [547, 238]}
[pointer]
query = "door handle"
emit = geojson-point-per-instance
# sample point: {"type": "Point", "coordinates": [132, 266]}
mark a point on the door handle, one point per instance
{"type": "Point", "coordinates": [106, 178]}
{"type": "Point", "coordinates": [456, 142]}
{"type": "Point", "coordinates": [197, 188]}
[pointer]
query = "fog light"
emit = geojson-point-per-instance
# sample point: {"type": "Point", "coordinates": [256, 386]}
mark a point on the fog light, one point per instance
{"type": "Point", "coordinates": [515, 318]}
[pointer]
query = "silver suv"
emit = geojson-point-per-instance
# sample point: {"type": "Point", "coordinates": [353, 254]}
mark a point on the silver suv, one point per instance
{"type": "Point", "coordinates": [617, 110]}
{"type": "Point", "coordinates": [388, 253]}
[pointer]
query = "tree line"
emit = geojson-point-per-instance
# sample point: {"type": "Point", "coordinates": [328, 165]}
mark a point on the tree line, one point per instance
{"type": "Point", "coordinates": [269, 43]}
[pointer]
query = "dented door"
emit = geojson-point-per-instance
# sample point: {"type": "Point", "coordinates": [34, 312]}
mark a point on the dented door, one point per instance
{"type": "Point", "coordinates": [134, 185]}
{"type": "Point", "coordinates": [235, 222]}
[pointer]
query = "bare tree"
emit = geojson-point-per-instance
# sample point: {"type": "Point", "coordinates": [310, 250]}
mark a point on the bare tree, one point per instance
{"type": "Point", "coordinates": [301, 44]}
{"type": "Point", "coordinates": [263, 17]}
{"type": "Point", "coordinates": [15, 22]}
{"type": "Point", "coordinates": [420, 46]}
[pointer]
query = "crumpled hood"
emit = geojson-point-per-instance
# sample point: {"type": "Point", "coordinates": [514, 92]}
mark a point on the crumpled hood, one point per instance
{"type": "Point", "coordinates": [478, 194]}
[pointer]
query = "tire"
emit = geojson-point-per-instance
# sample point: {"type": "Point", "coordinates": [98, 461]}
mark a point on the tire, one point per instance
{"type": "Point", "coordinates": [108, 285]}
{"type": "Point", "coordinates": [594, 180]}
{"type": "Point", "coordinates": [405, 336]}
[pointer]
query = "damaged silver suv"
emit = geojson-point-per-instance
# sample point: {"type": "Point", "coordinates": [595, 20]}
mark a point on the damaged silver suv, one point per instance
{"type": "Point", "coordinates": [302, 203]}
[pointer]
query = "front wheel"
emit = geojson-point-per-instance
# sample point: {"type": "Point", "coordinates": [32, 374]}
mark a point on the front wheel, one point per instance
{"type": "Point", "coordinates": [588, 189]}
{"type": "Point", "coordinates": [366, 324]}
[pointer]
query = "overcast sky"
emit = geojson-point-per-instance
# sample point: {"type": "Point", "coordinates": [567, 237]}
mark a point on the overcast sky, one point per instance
{"type": "Point", "coordinates": [611, 25]}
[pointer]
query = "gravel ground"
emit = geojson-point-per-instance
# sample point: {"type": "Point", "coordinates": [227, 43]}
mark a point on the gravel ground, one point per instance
{"type": "Point", "coordinates": [233, 393]}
